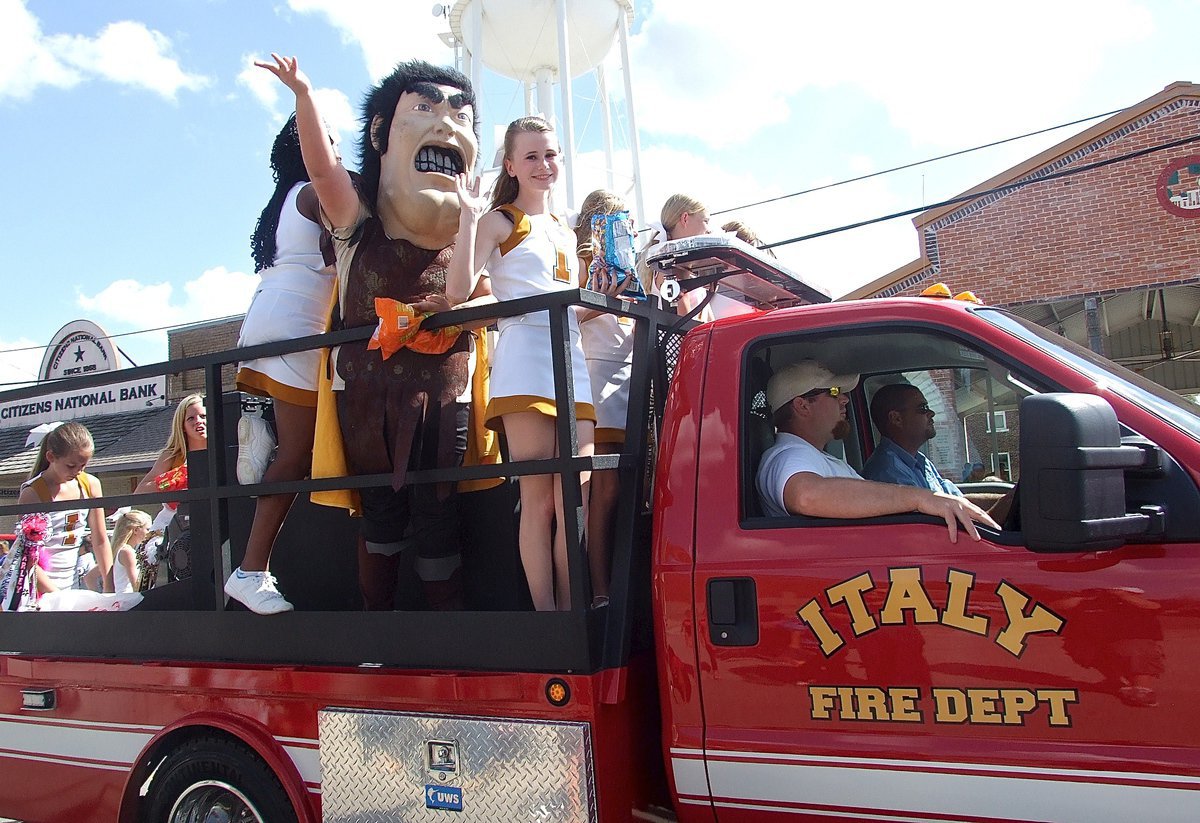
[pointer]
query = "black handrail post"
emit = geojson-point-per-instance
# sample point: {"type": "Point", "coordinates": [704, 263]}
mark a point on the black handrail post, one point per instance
{"type": "Point", "coordinates": [568, 447]}
{"type": "Point", "coordinates": [635, 451]}
{"type": "Point", "coordinates": [218, 560]}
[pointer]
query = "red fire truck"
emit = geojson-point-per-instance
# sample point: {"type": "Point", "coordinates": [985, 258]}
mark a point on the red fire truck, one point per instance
{"type": "Point", "coordinates": [745, 668]}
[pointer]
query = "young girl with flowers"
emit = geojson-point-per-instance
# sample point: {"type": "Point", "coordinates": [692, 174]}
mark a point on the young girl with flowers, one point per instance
{"type": "Point", "coordinates": [57, 476]}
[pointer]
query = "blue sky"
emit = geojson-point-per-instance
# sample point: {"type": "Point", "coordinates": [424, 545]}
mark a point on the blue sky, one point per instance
{"type": "Point", "coordinates": [136, 133]}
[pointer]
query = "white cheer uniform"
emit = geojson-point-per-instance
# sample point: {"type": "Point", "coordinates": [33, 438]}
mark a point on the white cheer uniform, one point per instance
{"type": "Point", "coordinates": [608, 349]}
{"type": "Point", "coordinates": [291, 301]}
{"type": "Point", "coordinates": [66, 532]}
{"type": "Point", "coordinates": [538, 257]}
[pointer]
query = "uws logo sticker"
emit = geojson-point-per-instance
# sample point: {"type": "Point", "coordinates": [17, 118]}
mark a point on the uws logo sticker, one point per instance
{"type": "Point", "coordinates": [908, 602]}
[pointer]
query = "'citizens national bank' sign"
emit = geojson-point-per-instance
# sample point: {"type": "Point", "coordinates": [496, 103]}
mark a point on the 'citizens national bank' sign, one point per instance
{"type": "Point", "coordinates": [83, 348]}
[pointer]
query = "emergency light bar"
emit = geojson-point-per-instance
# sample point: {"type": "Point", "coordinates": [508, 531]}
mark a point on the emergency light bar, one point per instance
{"type": "Point", "coordinates": [743, 273]}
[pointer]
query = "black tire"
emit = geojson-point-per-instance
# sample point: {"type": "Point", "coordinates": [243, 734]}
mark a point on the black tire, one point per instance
{"type": "Point", "coordinates": [217, 775]}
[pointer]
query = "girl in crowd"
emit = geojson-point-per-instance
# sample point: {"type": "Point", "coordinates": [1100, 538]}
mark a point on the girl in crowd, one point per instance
{"type": "Point", "coordinates": [292, 301]}
{"type": "Point", "coordinates": [58, 475]}
{"type": "Point", "coordinates": [131, 528]}
{"type": "Point", "coordinates": [527, 251]}
{"type": "Point", "coordinates": [189, 432]}
{"type": "Point", "coordinates": [608, 347]}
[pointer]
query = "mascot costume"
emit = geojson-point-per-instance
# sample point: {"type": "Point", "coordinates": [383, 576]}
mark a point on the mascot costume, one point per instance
{"type": "Point", "coordinates": [396, 404]}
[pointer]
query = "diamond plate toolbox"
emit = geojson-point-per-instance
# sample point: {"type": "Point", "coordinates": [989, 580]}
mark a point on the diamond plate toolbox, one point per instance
{"type": "Point", "coordinates": [398, 766]}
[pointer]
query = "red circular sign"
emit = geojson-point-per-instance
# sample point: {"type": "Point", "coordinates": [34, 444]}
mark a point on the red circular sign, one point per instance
{"type": "Point", "coordinates": [1178, 187]}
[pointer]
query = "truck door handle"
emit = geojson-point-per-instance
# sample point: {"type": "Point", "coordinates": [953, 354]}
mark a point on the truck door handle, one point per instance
{"type": "Point", "coordinates": [732, 611]}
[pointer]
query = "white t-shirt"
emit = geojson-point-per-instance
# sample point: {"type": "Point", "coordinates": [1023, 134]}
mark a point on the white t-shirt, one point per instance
{"type": "Point", "coordinates": [792, 455]}
{"type": "Point", "coordinates": [121, 582]}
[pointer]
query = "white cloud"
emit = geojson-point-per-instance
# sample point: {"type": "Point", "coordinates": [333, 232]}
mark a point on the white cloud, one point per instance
{"type": "Point", "coordinates": [387, 33]}
{"type": "Point", "coordinates": [25, 61]}
{"type": "Point", "coordinates": [942, 72]}
{"type": "Point", "coordinates": [20, 360]}
{"type": "Point", "coordinates": [334, 105]}
{"type": "Point", "coordinates": [262, 85]}
{"type": "Point", "coordinates": [127, 53]}
{"type": "Point", "coordinates": [218, 292]}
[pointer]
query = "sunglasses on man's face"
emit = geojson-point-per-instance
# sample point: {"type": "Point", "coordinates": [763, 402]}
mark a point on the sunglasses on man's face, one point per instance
{"type": "Point", "coordinates": [832, 391]}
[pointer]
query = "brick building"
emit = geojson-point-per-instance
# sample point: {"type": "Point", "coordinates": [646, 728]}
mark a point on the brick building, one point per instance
{"type": "Point", "coordinates": [196, 339]}
{"type": "Point", "coordinates": [1109, 257]}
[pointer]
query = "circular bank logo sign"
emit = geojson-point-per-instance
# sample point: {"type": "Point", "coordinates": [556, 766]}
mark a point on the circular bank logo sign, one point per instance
{"type": "Point", "coordinates": [80, 347]}
{"type": "Point", "coordinates": [1179, 187]}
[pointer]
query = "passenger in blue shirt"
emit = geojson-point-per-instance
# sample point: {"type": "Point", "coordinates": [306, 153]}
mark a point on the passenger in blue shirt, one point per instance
{"type": "Point", "coordinates": [905, 421]}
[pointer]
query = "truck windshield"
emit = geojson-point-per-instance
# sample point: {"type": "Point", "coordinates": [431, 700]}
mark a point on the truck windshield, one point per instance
{"type": "Point", "coordinates": [1162, 402]}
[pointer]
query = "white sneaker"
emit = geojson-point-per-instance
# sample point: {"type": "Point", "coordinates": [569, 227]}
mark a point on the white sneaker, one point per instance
{"type": "Point", "coordinates": [256, 591]}
{"type": "Point", "coordinates": [255, 445]}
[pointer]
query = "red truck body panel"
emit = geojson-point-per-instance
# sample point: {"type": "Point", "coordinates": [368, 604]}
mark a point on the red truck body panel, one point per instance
{"type": "Point", "coordinates": [81, 761]}
{"type": "Point", "coordinates": [893, 677]}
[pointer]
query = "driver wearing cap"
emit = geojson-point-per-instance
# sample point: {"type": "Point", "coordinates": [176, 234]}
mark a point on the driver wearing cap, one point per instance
{"type": "Point", "coordinates": [796, 476]}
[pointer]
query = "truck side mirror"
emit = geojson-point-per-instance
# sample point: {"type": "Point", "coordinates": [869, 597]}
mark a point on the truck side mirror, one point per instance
{"type": "Point", "coordinates": [1072, 487]}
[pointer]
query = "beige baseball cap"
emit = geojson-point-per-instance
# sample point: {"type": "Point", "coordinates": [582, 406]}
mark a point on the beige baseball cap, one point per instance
{"type": "Point", "coordinates": [801, 378]}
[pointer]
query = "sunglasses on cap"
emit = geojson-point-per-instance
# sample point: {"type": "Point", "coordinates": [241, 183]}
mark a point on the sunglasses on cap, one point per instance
{"type": "Point", "coordinates": [832, 391]}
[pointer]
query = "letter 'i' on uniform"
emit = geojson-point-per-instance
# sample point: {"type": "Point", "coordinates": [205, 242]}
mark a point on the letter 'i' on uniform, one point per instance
{"type": "Point", "coordinates": [562, 271]}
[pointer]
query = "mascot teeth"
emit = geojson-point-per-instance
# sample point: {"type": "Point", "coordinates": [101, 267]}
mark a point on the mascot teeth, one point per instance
{"type": "Point", "coordinates": [440, 160]}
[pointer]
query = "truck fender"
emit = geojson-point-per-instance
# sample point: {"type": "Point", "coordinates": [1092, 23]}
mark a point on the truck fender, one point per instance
{"type": "Point", "coordinates": [250, 732]}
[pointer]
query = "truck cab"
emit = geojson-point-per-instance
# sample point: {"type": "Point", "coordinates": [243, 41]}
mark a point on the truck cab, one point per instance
{"type": "Point", "coordinates": [873, 669]}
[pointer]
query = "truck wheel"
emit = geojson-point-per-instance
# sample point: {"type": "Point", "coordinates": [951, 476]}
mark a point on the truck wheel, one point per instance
{"type": "Point", "coordinates": [215, 779]}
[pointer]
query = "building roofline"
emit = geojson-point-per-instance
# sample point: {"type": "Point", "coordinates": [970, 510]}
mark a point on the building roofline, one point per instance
{"type": "Point", "coordinates": [881, 283]}
{"type": "Point", "coordinates": [1174, 91]}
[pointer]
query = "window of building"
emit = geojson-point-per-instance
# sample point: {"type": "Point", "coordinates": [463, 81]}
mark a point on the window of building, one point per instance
{"type": "Point", "coordinates": [1002, 466]}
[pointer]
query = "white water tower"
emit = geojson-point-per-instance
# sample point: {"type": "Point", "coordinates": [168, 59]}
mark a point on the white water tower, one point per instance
{"type": "Point", "coordinates": [546, 42]}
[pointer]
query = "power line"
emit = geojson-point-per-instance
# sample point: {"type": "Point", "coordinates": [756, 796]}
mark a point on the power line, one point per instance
{"type": "Point", "coordinates": [35, 378]}
{"type": "Point", "coordinates": [916, 163]}
{"type": "Point", "coordinates": [130, 334]}
{"type": "Point", "coordinates": [966, 198]}
{"type": "Point", "coordinates": [814, 235]}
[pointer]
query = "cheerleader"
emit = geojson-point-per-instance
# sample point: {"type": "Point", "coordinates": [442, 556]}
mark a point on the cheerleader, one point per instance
{"type": "Point", "coordinates": [682, 216]}
{"type": "Point", "coordinates": [58, 474]}
{"type": "Point", "coordinates": [527, 251]}
{"type": "Point", "coordinates": [608, 347]}
{"type": "Point", "coordinates": [292, 301]}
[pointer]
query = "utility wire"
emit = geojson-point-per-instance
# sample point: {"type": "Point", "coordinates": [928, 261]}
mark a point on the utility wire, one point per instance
{"type": "Point", "coordinates": [36, 379]}
{"type": "Point", "coordinates": [915, 163]}
{"type": "Point", "coordinates": [130, 334]}
{"type": "Point", "coordinates": [966, 198]}
{"type": "Point", "coordinates": [814, 235]}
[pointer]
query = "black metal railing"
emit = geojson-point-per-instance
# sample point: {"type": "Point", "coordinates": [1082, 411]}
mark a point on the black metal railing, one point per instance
{"type": "Point", "coordinates": [577, 640]}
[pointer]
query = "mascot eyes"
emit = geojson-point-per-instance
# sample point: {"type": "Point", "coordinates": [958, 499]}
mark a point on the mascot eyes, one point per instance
{"type": "Point", "coordinates": [440, 160]}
